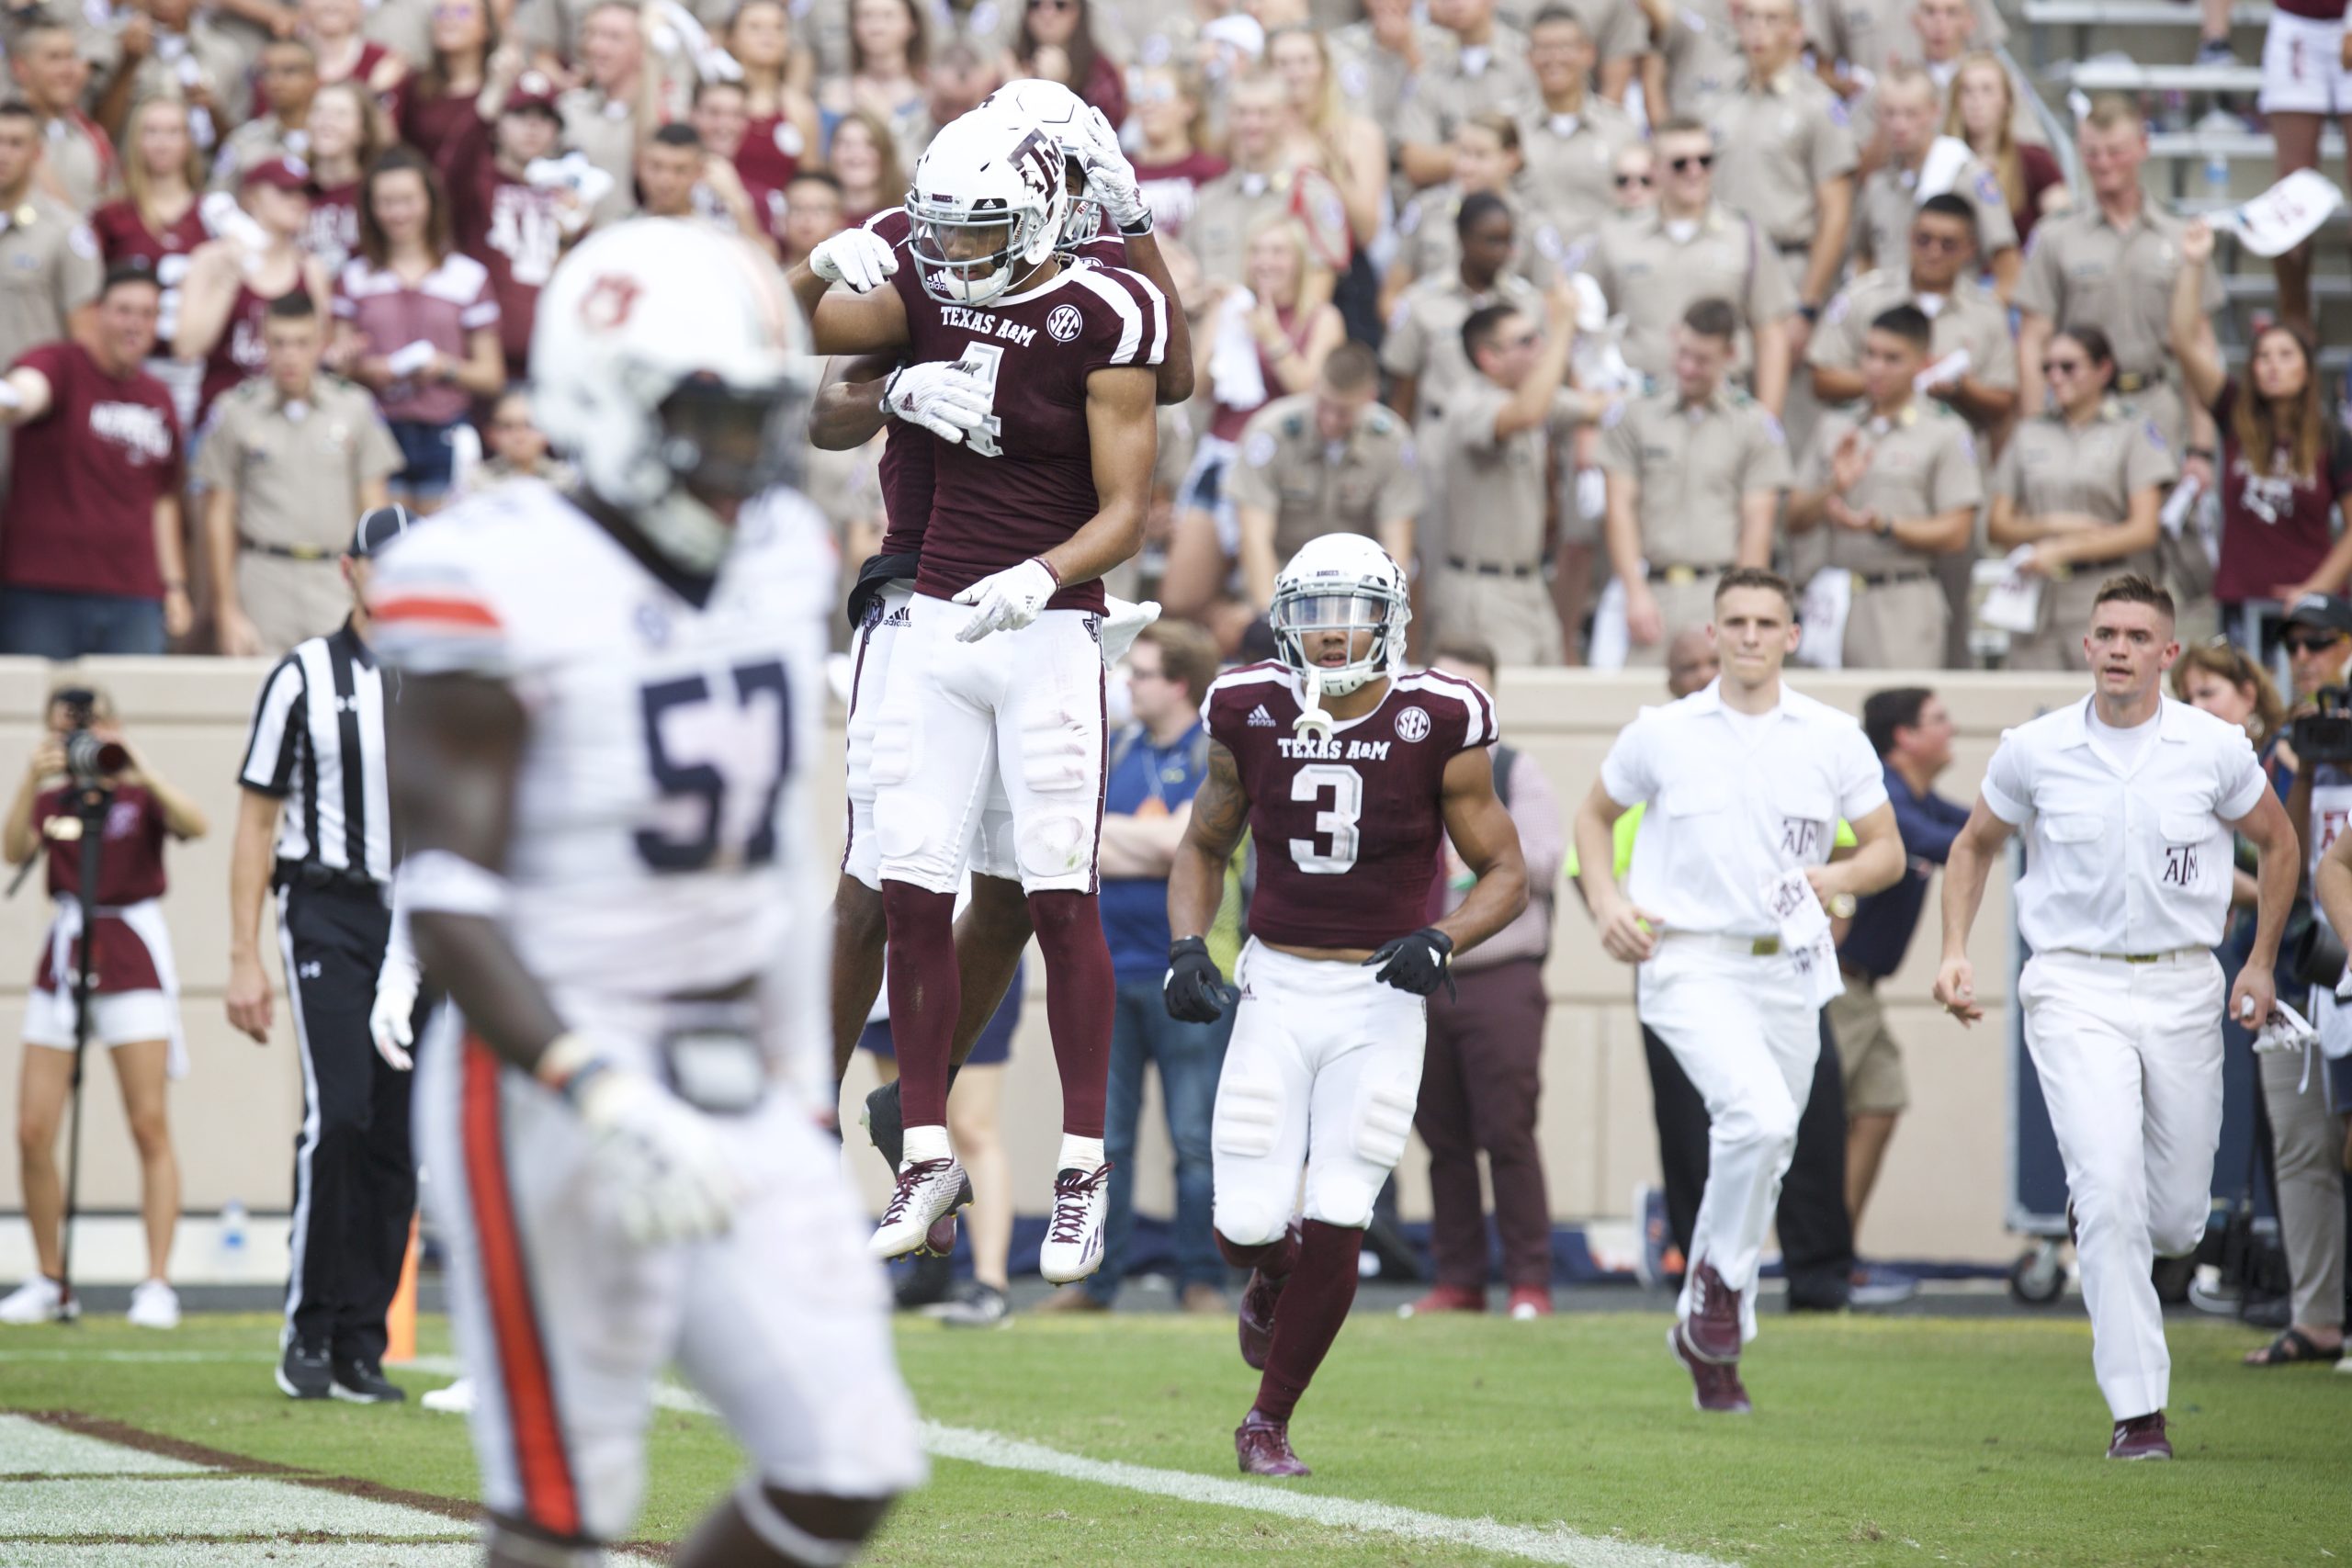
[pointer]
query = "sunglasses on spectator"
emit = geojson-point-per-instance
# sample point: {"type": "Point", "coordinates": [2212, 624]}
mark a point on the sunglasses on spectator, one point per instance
{"type": "Point", "coordinates": [1943, 245]}
{"type": "Point", "coordinates": [2064, 366]}
{"type": "Point", "coordinates": [1625, 182]}
{"type": "Point", "coordinates": [1684, 164]}
{"type": "Point", "coordinates": [2310, 642]}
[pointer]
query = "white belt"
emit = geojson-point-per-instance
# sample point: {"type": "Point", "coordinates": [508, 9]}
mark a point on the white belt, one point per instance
{"type": "Point", "coordinates": [1736, 946]}
{"type": "Point", "coordinates": [2170, 955]}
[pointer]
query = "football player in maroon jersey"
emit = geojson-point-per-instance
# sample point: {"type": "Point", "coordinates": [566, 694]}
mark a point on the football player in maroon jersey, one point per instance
{"type": "Point", "coordinates": [1349, 804]}
{"type": "Point", "coordinates": [997, 674]}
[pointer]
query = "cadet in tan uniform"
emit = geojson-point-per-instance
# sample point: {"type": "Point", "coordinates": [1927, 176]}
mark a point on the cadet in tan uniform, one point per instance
{"type": "Point", "coordinates": [2083, 483]}
{"type": "Point", "coordinates": [1785, 157]}
{"type": "Point", "coordinates": [1695, 61]}
{"type": "Point", "coordinates": [1328, 461]}
{"type": "Point", "coordinates": [1938, 277]}
{"type": "Point", "coordinates": [1381, 57]}
{"type": "Point", "coordinates": [1896, 484]}
{"type": "Point", "coordinates": [1487, 71]}
{"type": "Point", "coordinates": [1654, 268]}
{"type": "Point", "coordinates": [78, 167]}
{"type": "Point", "coordinates": [1568, 145]}
{"type": "Point", "coordinates": [1695, 475]}
{"type": "Point", "coordinates": [1230, 207]}
{"type": "Point", "coordinates": [1909, 111]}
{"type": "Point", "coordinates": [1872, 36]}
{"type": "Point", "coordinates": [1502, 429]}
{"type": "Point", "coordinates": [288, 456]}
{"type": "Point", "coordinates": [49, 266]}
{"type": "Point", "coordinates": [1429, 244]}
{"type": "Point", "coordinates": [1422, 352]}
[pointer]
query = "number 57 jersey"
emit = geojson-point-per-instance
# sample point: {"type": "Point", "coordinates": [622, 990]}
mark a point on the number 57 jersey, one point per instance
{"type": "Point", "coordinates": [1349, 828]}
{"type": "Point", "coordinates": [660, 825]}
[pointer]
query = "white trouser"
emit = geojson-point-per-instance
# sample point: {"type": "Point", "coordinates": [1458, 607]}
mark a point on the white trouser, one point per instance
{"type": "Point", "coordinates": [1323, 1072]}
{"type": "Point", "coordinates": [991, 847]}
{"type": "Point", "coordinates": [564, 1324]}
{"type": "Point", "coordinates": [1745, 1032]}
{"type": "Point", "coordinates": [2129, 1058]}
{"type": "Point", "coordinates": [1020, 708]}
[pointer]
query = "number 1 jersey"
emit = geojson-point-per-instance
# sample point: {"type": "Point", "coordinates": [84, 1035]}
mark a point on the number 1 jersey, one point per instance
{"type": "Point", "coordinates": [660, 837]}
{"type": "Point", "coordinates": [1349, 828]}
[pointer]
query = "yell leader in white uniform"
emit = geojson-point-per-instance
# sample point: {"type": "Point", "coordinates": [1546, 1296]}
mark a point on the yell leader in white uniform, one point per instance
{"type": "Point", "coordinates": [1725, 912]}
{"type": "Point", "coordinates": [2133, 798]}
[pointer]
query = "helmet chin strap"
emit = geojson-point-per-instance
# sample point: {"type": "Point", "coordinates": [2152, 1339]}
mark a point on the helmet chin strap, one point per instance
{"type": "Point", "coordinates": [693, 535]}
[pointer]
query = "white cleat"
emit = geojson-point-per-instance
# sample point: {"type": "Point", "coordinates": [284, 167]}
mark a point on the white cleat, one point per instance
{"type": "Point", "coordinates": [928, 1191]}
{"type": "Point", "coordinates": [154, 1305]}
{"type": "Point", "coordinates": [38, 1299]}
{"type": "Point", "coordinates": [457, 1399]}
{"type": "Point", "coordinates": [1073, 1246]}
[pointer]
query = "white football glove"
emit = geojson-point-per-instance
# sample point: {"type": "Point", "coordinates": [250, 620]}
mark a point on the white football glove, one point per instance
{"type": "Point", "coordinates": [1110, 178]}
{"type": "Point", "coordinates": [858, 257]}
{"type": "Point", "coordinates": [946, 399]}
{"type": "Point", "coordinates": [1008, 600]}
{"type": "Point", "coordinates": [663, 1157]}
{"type": "Point", "coordinates": [387, 1020]}
{"type": "Point", "coordinates": [1123, 622]}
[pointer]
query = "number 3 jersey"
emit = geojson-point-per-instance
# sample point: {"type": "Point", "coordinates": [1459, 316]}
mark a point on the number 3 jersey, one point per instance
{"type": "Point", "coordinates": [1349, 828]}
{"type": "Point", "coordinates": [660, 821]}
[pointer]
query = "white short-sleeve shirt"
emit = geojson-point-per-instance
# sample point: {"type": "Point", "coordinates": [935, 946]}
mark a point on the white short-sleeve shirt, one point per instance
{"type": "Point", "coordinates": [1736, 804]}
{"type": "Point", "coordinates": [2124, 861]}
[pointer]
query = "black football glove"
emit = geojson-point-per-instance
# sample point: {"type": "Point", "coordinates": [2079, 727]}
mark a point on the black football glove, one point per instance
{"type": "Point", "coordinates": [1195, 991]}
{"type": "Point", "coordinates": [1417, 963]}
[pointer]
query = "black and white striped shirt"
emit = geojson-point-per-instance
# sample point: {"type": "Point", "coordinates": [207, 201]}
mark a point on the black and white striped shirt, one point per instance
{"type": "Point", "coordinates": [318, 745]}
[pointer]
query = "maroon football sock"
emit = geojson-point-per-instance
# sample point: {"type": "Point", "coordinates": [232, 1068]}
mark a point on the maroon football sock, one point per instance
{"type": "Point", "coordinates": [1313, 1304]}
{"type": "Point", "coordinates": [1080, 995]}
{"type": "Point", "coordinates": [1274, 1258]}
{"type": "Point", "coordinates": [925, 995]}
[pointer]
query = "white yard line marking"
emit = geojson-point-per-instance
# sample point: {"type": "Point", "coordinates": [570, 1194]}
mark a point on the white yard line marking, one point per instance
{"type": "Point", "coordinates": [36, 1447]}
{"type": "Point", "coordinates": [243, 1555]}
{"type": "Point", "coordinates": [1557, 1545]}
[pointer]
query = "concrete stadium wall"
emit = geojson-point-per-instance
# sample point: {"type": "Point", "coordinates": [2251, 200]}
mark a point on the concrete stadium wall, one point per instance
{"type": "Point", "coordinates": [1941, 1194]}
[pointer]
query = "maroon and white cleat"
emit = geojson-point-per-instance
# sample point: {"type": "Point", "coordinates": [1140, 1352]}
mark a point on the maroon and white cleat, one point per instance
{"type": "Point", "coordinates": [1711, 1331]}
{"type": "Point", "coordinates": [1256, 1314]}
{"type": "Point", "coordinates": [2141, 1436]}
{"type": "Point", "coordinates": [1264, 1448]}
{"type": "Point", "coordinates": [928, 1191]}
{"type": "Point", "coordinates": [1715, 1385]}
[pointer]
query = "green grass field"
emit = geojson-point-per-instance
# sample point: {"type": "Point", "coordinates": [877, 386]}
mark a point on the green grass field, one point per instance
{"type": "Point", "coordinates": [1898, 1440]}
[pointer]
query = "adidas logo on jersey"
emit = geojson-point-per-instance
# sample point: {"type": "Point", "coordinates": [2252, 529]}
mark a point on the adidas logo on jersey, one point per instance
{"type": "Point", "coordinates": [901, 616]}
{"type": "Point", "coordinates": [1260, 718]}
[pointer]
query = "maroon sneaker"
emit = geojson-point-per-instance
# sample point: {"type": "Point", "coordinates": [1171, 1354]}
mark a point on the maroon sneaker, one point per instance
{"type": "Point", "coordinates": [1715, 1385]}
{"type": "Point", "coordinates": [1445, 1298]}
{"type": "Point", "coordinates": [1256, 1314]}
{"type": "Point", "coordinates": [1264, 1448]}
{"type": "Point", "coordinates": [2142, 1436]}
{"type": "Point", "coordinates": [1711, 1331]}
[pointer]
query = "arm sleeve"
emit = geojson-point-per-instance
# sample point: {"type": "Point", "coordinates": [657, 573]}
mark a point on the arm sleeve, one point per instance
{"type": "Point", "coordinates": [2148, 460]}
{"type": "Point", "coordinates": [1128, 325]}
{"type": "Point", "coordinates": [1405, 351]}
{"type": "Point", "coordinates": [1861, 777]}
{"type": "Point", "coordinates": [1621, 450]}
{"type": "Point", "coordinates": [380, 456]}
{"type": "Point", "coordinates": [483, 311]}
{"type": "Point", "coordinates": [1768, 456]}
{"type": "Point", "coordinates": [81, 269]}
{"type": "Point", "coordinates": [2039, 286]}
{"type": "Point", "coordinates": [216, 465]}
{"type": "Point", "coordinates": [2009, 475]}
{"type": "Point", "coordinates": [1996, 230]}
{"type": "Point", "coordinates": [1832, 151]}
{"type": "Point", "coordinates": [1401, 494]}
{"type": "Point", "coordinates": [1997, 365]}
{"type": "Point", "coordinates": [2241, 779]}
{"type": "Point", "coordinates": [1928, 827]}
{"type": "Point", "coordinates": [1628, 773]}
{"type": "Point", "coordinates": [1249, 478]}
{"type": "Point", "coordinates": [1959, 481]}
{"type": "Point", "coordinates": [2008, 783]}
{"type": "Point", "coordinates": [1837, 342]}
{"type": "Point", "coordinates": [275, 744]}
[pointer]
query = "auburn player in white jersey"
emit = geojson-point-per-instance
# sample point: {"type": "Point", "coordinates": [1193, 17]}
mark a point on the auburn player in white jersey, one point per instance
{"type": "Point", "coordinates": [1350, 805]}
{"type": "Point", "coordinates": [997, 677]}
{"type": "Point", "coordinates": [610, 702]}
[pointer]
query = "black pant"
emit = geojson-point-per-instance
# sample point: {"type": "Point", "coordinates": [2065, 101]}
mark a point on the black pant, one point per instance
{"type": "Point", "coordinates": [1816, 1234]}
{"type": "Point", "coordinates": [354, 1177]}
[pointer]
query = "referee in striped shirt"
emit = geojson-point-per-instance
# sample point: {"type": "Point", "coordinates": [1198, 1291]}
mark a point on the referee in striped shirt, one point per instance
{"type": "Point", "coordinates": [315, 824]}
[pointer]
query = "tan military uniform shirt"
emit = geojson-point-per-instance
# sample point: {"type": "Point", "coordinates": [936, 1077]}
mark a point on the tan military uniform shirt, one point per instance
{"type": "Point", "coordinates": [50, 267]}
{"type": "Point", "coordinates": [1428, 244]}
{"type": "Point", "coordinates": [257, 141]}
{"type": "Point", "coordinates": [1619, 29]}
{"type": "Point", "coordinates": [1224, 211]}
{"type": "Point", "coordinates": [1875, 34]}
{"type": "Point", "coordinates": [1922, 464]}
{"type": "Point", "coordinates": [2082, 268]}
{"type": "Point", "coordinates": [404, 27]}
{"type": "Point", "coordinates": [1652, 271]}
{"type": "Point", "coordinates": [1695, 464]}
{"type": "Point", "coordinates": [1424, 337]}
{"type": "Point", "coordinates": [1968, 318]}
{"type": "Point", "coordinates": [202, 56]}
{"type": "Point", "coordinates": [1776, 143]}
{"type": "Point", "coordinates": [1570, 178]}
{"type": "Point", "coordinates": [1492, 78]}
{"type": "Point", "coordinates": [1494, 501]}
{"type": "Point", "coordinates": [1703, 64]}
{"type": "Point", "coordinates": [296, 467]}
{"type": "Point", "coordinates": [1889, 198]}
{"type": "Point", "coordinates": [1314, 487]}
{"type": "Point", "coordinates": [2095, 469]}
{"type": "Point", "coordinates": [74, 159]}
{"type": "Point", "coordinates": [1378, 82]}
{"type": "Point", "coordinates": [604, 129]}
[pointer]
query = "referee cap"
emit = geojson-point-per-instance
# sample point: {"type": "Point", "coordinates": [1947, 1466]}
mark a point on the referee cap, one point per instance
{"type": "Point", "coordinates": [379, 527]}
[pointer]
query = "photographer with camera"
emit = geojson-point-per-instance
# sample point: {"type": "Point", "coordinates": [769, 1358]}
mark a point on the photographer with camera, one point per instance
{"type": "Point", "coordinates": [2306, 1118]}
{"type": "Point", "coordinates": [83, 771]}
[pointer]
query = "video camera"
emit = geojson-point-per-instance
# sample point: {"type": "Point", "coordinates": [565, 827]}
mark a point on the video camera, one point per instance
{"type": "Point", "coordinates": [2324, 734]}
{"type": "Point", "coordinates": [89, 759]}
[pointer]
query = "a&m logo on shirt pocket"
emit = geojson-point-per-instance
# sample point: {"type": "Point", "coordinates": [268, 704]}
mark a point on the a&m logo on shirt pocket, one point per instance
{"type": "Point", "coordinates": [2183, 841]}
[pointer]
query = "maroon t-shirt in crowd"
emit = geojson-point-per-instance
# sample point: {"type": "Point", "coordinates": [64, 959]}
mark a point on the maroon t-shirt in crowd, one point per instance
{"type": "Point", "coordinates": [509, 227]}
{"type": "Point", "coordinates": [123, 236]}
{"type": "Point", "coordinates": [131, 870]}
{"type": "Point", "coordinates": [1172, 190]}
{"type": "Point", "coordinates": [333, 235]}
{"type": "Point", "coordinates": [79, 518]}
{"type": "Point", "coordinates": [240, 351]}
{"type": "Point", "coordinates": [767, 161]}
{"type": "Point", "coordinates": [2276, 528]}
{"type": "Point", "coordinates": [1347, 827]}
{"type": "Point", "coordinates": [430, 122]}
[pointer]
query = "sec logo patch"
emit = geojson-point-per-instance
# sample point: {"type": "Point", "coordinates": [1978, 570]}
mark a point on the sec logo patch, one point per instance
{"type": "Point", "coordinates": [1413, 724]}
{"type": "Point", "coordinates": [1064, 323]}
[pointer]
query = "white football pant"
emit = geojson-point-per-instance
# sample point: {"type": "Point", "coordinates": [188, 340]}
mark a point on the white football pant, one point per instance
{"type": "Point", "coordinates": [2129, 1058]}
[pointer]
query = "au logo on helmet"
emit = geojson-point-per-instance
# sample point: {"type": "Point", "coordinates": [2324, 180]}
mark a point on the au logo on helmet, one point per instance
{"type": "Point", "coordinates": [1064, 323]}
{"type": "Point", "coordinates": [608, 301]}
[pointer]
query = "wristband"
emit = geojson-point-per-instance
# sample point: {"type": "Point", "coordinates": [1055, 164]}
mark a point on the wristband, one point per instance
{"type": "Point", "coordinates": [1049, 569]}
{"type": "Point", "coordinates": [1141, 227]}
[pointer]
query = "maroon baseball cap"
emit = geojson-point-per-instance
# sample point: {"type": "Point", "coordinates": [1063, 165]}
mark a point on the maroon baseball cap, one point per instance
{"type": "Point", "coordinates": [286, 172]}
{"type": "Point", "coordinates": [534, 90]}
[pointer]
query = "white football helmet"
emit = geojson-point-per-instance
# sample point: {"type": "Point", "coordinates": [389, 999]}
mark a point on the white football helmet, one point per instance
{"type": "Point", "coordinates": [986, 207]}
{"type": "Point", "coordinates": [1341, 583]}
{"type": "Point", "coordinates": [668, 362]}
{"type": "Point", "coordinates": [1035, 103]}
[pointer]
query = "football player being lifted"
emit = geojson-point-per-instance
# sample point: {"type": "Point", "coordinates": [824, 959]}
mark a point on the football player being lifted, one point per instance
{"type": "Point", "coordinates": [610, 702]}
{"type": "Point", "coordinates": [1349, 771]}
{"type": "Point", "coordinates": [919, 404]}
{"type": "Point", "coordinates": [996, 681]}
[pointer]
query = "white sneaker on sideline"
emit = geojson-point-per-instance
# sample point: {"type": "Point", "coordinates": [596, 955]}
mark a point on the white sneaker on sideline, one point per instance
{"type": "Point", "coordinates": [154, 1305]}
{"type": "Point", "coordinates": [38, 1299]}
{"type": "Point", "coordinates": [1073, 1247]}
{"type": "Point", "coordinates": [457, 1399]}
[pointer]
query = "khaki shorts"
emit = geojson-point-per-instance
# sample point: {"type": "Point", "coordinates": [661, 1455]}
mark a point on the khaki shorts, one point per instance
{"type": "Point", "coordinates": [1869, 1059]}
